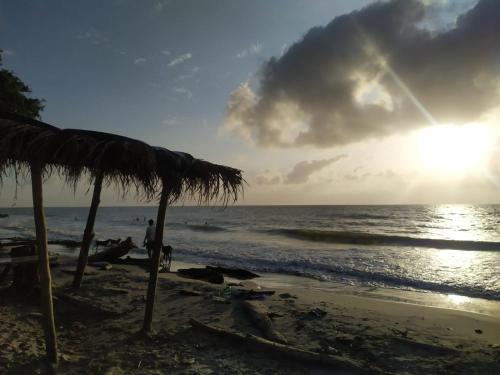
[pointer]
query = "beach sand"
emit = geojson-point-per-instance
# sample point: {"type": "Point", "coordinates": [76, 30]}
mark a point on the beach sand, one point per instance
{"type": "Point", "coordinates": [98, 329]}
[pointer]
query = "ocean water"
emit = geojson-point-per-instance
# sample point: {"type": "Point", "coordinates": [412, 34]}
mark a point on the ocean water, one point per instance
{"type": "Point", "coordinates": [451, 249]}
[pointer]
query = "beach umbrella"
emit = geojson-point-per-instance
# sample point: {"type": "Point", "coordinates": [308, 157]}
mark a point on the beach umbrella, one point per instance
{"type": "Point", "coordinates": [183, 176]}
{"type": "Point", "coordinates": [23, 147]}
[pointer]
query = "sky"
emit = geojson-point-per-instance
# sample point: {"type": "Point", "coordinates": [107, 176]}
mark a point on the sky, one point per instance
{"type": "Point", "coordinates": [317, 101]}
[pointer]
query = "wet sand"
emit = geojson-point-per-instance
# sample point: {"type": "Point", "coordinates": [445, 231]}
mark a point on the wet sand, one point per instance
{"type": "Point", "coordinates": [380, 331]}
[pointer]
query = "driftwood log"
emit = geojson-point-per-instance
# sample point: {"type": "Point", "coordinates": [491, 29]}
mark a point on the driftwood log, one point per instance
{"type": "Point", "coordinates": [16, 243]}
{"type": "Point", "coordinates": [259, 314]}
{"type": "Point", "coordinates": [13, 241]}
{"type": "Point", "coordinates": [112, 253]}
{"type": "Point", "coordinates": [287, 351]}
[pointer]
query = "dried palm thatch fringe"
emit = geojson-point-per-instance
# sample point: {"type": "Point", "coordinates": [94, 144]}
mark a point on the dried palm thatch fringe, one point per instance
{"type": "Point", "coordinates": [189, 178]}
{"type": "Point", "coordinates": [124, 162]}
{"type": "Point", "coordinates": [15, 142]}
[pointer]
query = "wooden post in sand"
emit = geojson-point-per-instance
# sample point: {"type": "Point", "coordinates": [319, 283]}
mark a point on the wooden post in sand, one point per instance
{"type": "Point", "coordinates": [44, 266]}
{"type": "Point", "coordinates": [155, 261]}
{"type": "Point", "coordinates": [88, 233]}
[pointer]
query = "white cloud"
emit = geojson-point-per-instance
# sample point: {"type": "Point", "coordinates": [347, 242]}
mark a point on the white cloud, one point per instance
{"type": "Point", "coordinates": [139, 61]}
{"type": "Point", "coordinates": [180, 59]}
{"type": "Point", "coordinates": [170, 121]}
{"type": "Point", "coordinates": [190, 74]}
{"type": "Point", "coordinates": [284, 47]}
{"type": "Point", "coordinates": [240, 102]}
{"type": "Point", "coordinates": [161, 4]}
{"type": "Point", "coordinates": [8, 52]}
{"type": "Point", "coordinates": [183, 91]}
{"type": "Point", "coordinates": [93, 36]}
{"type": "Point", "coordinates": [254, 49]}
{"type": "Point", "coordinates": [166, 52]}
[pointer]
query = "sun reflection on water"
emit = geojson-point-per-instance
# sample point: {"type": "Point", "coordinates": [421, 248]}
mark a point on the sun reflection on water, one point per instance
{"type": "Point", "coordinates": [459, 222]}
{"type": "Point", "coordinates": [454, 258]}
{"type": "Point", "coordinates": [458, 300]}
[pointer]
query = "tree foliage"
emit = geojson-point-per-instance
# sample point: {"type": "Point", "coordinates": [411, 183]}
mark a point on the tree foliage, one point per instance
{"type": "Point", "coordinates": [14, 95]}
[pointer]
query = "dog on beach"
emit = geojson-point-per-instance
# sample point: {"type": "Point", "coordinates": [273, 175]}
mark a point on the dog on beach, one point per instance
{"type": "Point", "coordinates": [107, 242]}
{"type": "Point", "coordinates": [166, 258]}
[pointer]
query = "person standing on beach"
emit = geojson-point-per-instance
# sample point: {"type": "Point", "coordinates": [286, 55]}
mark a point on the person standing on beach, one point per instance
{"type": "Point", "coordinates": [149, 238]}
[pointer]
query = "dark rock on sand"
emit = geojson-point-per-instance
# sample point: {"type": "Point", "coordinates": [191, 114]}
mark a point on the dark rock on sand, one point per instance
{"type": "Point", "coordinates": [252, 294]}
{"type": "Point", "coordinates": [205, 274]}
{"type": "Point", "coordinates": [236, 273]}
{"type": "Point", "coordinates": [189, 292]}
{"type": "Point", "coordinates": [287, 296]}
{"type": "Point", "coordinates": [317, 313]}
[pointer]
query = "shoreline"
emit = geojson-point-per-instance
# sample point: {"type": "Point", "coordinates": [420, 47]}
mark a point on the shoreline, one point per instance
{"type": "Point", "coordinates": [379, 335]}
{"type": "Point", "coordinates": [415, 296]}
{"type": "Point", "coordinates": [271, 280]}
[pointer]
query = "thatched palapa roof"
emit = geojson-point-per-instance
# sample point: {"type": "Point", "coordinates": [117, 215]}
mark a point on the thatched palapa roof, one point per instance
{"type": "Point", "coordinates": [73, 153]}
{"type": "Point", "coordinates": [124, 162]}
{"type": "Point", "coordinates": [18, 141]}
{"type": "Point", "coordinates": [199, 179]}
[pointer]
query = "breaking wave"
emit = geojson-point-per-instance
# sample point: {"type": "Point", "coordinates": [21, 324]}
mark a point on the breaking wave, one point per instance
{"type": "Point", "coordinates": [336, 272]}
{"type": "Point", "coordinates": [360, 238]}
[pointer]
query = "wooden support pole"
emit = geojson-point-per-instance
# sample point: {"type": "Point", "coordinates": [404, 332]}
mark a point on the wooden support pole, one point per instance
{"type": "Point", "coordinates": [155, 260]}
{"type": "Point", "coordinates": [44, 267]}
{"type": "Point", "coordinates": [88, 234]}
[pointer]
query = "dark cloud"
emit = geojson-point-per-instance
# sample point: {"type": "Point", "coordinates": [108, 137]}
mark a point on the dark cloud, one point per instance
{"type": "Point", "coordinates": [371, 73]}
{"type": "Point", "coordinates": [301, 171]}
{"type": "Point", "coordinates": [388, 174]}
{"type": "Point", "coordinates": [357, 177]}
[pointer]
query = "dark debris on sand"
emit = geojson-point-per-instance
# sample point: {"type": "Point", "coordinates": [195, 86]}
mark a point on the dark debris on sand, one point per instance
{"type": "Point", "coordinates": [99, 333]}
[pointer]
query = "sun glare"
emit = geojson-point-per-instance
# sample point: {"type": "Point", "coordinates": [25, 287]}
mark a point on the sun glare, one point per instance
{"type": "Point", "coordinates": [454, 149]}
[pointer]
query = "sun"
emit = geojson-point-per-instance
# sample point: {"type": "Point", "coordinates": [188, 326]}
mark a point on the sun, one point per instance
{"type": "Point", "coordinates": [452, 149]}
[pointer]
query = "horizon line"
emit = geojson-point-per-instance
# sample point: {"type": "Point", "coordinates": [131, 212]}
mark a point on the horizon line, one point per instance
{"type": "Point", "coordinates": [270, 205]}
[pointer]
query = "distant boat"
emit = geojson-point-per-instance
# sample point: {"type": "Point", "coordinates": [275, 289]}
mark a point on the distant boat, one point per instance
{"type": "Point", "coordinates": [4, 215]}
